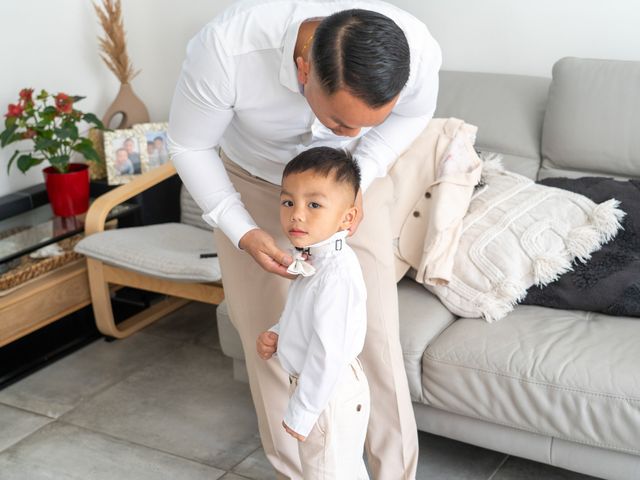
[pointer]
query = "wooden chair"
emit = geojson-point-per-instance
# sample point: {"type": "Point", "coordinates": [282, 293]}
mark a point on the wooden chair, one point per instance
{"type": "Point", "coordinates": [162, 258]}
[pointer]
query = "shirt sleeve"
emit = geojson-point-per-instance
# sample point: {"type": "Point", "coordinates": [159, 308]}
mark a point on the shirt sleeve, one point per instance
{"type": "Point", "coordinates": [336, 314]}
{"type": "Point", "coordinates": [201, 110]}
{"type": "Point", "coordinates": [382, 145]}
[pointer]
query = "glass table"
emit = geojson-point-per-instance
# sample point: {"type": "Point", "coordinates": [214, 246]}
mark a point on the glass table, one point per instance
{"type": "Point", "coordinates": [29, 231]}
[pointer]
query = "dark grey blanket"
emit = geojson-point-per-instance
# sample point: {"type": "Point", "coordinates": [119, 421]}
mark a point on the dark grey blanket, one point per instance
{"type": "Point", "coordinates": [610, 281]}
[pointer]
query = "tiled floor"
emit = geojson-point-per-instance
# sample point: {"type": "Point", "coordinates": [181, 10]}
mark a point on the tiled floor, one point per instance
{"type": "Point", "coordinates": [163, 405]}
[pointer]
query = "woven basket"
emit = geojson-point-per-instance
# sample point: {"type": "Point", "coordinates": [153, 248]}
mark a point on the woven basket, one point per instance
{"type": "Point", "coordinates": [29, 268]}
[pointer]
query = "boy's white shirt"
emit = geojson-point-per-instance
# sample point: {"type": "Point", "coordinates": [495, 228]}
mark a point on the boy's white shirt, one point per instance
{"type": "Point", "coordinates": [322, 328]}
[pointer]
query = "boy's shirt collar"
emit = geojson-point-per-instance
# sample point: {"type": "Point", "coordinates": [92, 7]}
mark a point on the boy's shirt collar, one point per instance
{"type": "Point", "coordinates": [331, 246]}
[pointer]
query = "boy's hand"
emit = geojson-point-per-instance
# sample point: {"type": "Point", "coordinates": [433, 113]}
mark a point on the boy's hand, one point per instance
{"type": "Point", "coordinates": [267, 345]}
{"type": "Point", "coordinates": [295, 435]}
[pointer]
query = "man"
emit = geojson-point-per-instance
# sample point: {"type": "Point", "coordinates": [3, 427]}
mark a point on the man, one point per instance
{"type": "Point", "coordinates": [266, 80]}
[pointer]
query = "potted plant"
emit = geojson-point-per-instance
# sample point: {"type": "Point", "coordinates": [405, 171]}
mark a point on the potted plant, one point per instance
{"type": "Point", "coordinates": [50, 122]}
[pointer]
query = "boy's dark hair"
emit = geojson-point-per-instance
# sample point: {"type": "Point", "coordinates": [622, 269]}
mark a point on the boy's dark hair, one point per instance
{"type": "Point", "coordinates": [327, 161]}
{"type": "Point", "coordinates": [364, 52]}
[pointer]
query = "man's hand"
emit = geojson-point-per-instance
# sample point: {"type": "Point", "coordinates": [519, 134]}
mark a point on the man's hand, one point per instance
{"type": "Point", "coordinates": [360, 214]}
{"type": "Point", "coordinates": [262, 247]}
{"type": "Point", "coordinates": [295, 435]}
{"type": "Point", "coordinates": [267, 345]}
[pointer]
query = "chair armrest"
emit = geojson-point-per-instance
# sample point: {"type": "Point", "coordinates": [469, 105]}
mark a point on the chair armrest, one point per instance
{"type": "Point", "coordinates": [100, 208]}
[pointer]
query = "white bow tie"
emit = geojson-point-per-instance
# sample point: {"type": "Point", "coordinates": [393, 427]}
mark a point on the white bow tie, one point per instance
{"type": "Point", "coordinates": [300, 266]}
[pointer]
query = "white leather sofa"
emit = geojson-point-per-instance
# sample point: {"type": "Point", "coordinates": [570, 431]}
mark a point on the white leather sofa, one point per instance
{"type": "Point", "coordinates": [555, 386]}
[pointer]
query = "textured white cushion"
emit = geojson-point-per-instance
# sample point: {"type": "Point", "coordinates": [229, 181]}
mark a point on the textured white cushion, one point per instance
{"type": "Point", "coordinates": [567, 374]}
{"type": "Point", "coordinates": [167, 250]}
{"type": "Point", "coordinates": [517, 234]}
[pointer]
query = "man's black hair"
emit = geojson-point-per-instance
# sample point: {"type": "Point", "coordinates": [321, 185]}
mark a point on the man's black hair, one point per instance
{"type": "Point", "coordinates": [361, 51]}
{"type": "Point", "coordinates": [327, 161]}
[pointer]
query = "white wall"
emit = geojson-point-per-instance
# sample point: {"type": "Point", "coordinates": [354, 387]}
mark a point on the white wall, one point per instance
{"type": "Point", "coordinates": [59, 52]}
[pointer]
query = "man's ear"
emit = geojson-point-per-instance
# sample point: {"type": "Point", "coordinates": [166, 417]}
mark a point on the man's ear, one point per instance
{"type": "Point", "coordinates": [303, 70]}
{"type": "Point", "coordinates": [349, 217]}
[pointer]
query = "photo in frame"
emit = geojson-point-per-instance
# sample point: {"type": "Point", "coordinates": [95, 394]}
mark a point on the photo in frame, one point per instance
{"type": "Point", "coordinates": [125, 155]}
{"type": "Point", "coordinates": [154, 137]}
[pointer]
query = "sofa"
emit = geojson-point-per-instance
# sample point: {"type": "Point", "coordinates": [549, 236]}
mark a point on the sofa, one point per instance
{"type": "Point", "coordinates": [555, 386]}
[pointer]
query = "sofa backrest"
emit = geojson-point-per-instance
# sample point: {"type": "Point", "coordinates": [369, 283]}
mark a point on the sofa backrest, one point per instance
{"type": "Point", "coordinates": [507, 109]}
{"type": "Point", "coordinates": [592, 122]}
{"type": "Point", "coordinates": [190, 212]}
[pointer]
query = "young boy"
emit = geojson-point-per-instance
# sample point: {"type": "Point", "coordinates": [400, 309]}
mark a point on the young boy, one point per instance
{"type": "Point", "coordinates": [323, 325]}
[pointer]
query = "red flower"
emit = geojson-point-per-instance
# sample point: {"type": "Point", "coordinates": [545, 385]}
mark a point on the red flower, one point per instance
{"type": "Point", "coordinates": [64, 103]}
{"type": "Point", "coordinates": [14, 110]}
{"type": "Point", "coordinates": [26, 95]}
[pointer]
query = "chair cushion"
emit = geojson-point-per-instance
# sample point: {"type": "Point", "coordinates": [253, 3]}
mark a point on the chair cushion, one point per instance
{"type": "Point", "coordinates": [568, 374]}
{"type": "Point", "coordinates": [167, 250]}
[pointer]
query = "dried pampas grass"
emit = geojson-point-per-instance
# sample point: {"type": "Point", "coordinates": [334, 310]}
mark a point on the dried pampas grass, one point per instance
{"type": "Point", "coordinates": [113, 46]}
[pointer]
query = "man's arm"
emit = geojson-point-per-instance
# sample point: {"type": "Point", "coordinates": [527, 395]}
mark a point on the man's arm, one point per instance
{"type": "Point", "coordinates": [201, 110]}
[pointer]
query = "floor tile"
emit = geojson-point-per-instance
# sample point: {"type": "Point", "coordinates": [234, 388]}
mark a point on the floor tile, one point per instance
{"type": "Point", "coordinates": [445, 459]}
{"type": "Point", "coordinates": [60, 451]}
{"type": "Point", "coordinates": [17, 424]}
{"type": "Point", "coordinates": [186, 403]}
{"type": "Point", "coordinates": [193, 323]}
{"type": "Point", "coordinates": [62, 385]}
{"type": "Point", "coordinates": [233, 476]}
{"type": "Point", "coordinates": [521, 469]}
{"type": "Point", "coordinates": [256, 467]}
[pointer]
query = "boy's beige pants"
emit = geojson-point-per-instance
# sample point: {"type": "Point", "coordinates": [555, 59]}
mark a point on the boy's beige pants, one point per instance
{"type": "Point", "coordinates": [333, 449]}
{"type": "Point", "coordinates": [256, 298]}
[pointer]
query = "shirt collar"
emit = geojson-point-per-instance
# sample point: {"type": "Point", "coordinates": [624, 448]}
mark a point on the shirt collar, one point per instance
{"type": "Point", "coordinates": [288, 70]}
{"type": "Point", "coordinates": [332, 245]}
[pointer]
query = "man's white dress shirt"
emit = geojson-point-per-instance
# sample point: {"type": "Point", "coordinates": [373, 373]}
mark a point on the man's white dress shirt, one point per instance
{"type": "Point", "coordinates": [322, 328]}
{"type": "Point", "coordinates": [238, 89]}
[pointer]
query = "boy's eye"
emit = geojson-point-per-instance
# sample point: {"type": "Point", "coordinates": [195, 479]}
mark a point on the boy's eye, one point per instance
{"type": "Point", "coordinates": [314, 205]}
{"type": "Point", "coordinates": [287, 203]}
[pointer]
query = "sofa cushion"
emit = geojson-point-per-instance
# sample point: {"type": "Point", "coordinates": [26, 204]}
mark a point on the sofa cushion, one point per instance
{"type": "Point", "coordinates": [166, 250]}
{"type": "Point", "coordinates": [567, 374]}
{"type": "Point", "coordinates": [507, 109]}
{"type": "Point", "coordinates": [610, 281]}
{"type": "Point", "coordinates": [422, 318]}
{"type": "Point", "coordinates": [593, 118]}
{"type": "Point", "coordinates": [517, 234]}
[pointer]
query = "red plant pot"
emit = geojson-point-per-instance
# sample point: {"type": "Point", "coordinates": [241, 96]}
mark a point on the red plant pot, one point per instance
{"type": "Point", "coordinates": [68, 192]}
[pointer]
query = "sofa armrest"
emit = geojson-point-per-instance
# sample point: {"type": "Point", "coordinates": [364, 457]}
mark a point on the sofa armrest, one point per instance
{"type": "Point", "coordinates": [101, 207]}
{"type": "Point", "coordinates": [422, 319]}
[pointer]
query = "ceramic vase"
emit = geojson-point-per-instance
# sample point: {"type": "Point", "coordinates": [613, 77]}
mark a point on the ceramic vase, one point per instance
{"type": "Point", "coordinates": [128, 105]}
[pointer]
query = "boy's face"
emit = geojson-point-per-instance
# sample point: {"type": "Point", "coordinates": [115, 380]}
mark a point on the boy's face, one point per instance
{"type": "Point", "coordinates": [313, 207]}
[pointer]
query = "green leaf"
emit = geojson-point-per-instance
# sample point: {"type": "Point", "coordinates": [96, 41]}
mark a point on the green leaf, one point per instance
{"type": "Point", "coordinates": [10, 122]}
{"type": "Point", "coordinates": [13, 157]}
{"type": "Point", "coordinates": [6, 136]}
{"type": "Point", "coordinates": [91, 118]}
{"type": "Point", "coordinates": [68, 130]}
{"type": "Point", "coordinates": [45, 143]}
{"type": "Point", "coordinates": [43, 95]}
{"type": "Point", "coordinates": [77, 98]}
{"type": "Point", "coordinates": [60, 163]}
{"type": "Point", "coordinates": [25, 162]}
{"type": "Point", "coordinates": [87, 150]}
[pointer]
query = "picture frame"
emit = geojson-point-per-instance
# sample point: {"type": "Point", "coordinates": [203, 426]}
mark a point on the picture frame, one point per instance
{"type": "Point", "coordinates": [125, 156]}
{"type": "Point", "coordinates": [154, 136]}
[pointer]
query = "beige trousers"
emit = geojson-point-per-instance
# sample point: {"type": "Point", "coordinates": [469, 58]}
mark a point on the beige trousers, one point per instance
{"type": "Point", "coordinates": [256, 298]}
{"type": "Point", "coordinates": [334, 447]}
